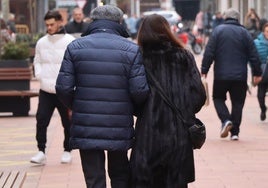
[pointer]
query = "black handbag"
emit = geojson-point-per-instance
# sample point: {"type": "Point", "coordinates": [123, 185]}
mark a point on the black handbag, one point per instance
{"type": "Point", "coordinates": [197, 132]}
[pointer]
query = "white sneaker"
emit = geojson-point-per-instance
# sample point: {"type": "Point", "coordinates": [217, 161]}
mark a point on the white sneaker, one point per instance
{"type": "Point", "coordinates": [235, 137]}
{"type": "Point", "coordinates": [66, 157]}
{"type": "Point", "coordinates": [39, 158]}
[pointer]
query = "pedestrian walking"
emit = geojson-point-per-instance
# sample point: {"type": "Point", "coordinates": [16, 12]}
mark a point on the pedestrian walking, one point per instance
{"type": "Point", "coordinates": [101, 80]}
{"type": "Point", "coordinates": [4, 35]}
{"type": "Point", "coordinates": [49, 52]}
{"type": "Point", "coordinates": [131, 24]}
{"type": "Point", "coordinates": [252, 22]}
{"type": "Point", "coordinates": [207, 22]}
{"type": "Point", "coordinates": [261, 43]}
{"type": "Point", "coordinates": [231, 47]}
{"type": "Point", "coordinates": [199, 23]}
{"type": "Point", "coordinates": [77, 26]}
{"type": "Point", "coordinates": [218, 20]}
{"type": "Point", "coordinates": [162, 155]}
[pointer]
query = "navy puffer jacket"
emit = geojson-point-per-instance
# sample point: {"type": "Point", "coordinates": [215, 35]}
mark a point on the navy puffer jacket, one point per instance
{"type": "Point", "coordinates": [100, 80]}
{"type": "Point", "coordinates": [231, 48]}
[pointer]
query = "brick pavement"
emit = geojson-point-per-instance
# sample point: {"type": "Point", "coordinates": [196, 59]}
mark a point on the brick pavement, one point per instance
{"type": "Point", "coordinates": [221, 163]}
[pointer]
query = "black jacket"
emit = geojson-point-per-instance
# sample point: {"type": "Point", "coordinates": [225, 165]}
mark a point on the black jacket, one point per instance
{"type": "Point", "coordinates": [74, 27]}
{"type": "Point", "coordinates": [231, 48]}
{"type": "Point", "coordinates": [162, 150]}
{"type": "Point", "coordinates": [100, 79]}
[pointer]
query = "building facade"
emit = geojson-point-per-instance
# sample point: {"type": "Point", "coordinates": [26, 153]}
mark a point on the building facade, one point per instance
{"type": "Point", "coordinates": [31, 12]}
{"type": "Point", "coordinates": [261, 6]}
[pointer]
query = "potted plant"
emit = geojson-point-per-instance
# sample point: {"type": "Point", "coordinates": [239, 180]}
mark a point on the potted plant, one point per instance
{"type": "Point", "coordinates": [30, 39]}
{"type": "Point", "coordinates": [15, 55]}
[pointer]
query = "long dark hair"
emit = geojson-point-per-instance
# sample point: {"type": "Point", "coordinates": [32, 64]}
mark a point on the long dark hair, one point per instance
{"type": "Point", "coordinates": [155, 29]}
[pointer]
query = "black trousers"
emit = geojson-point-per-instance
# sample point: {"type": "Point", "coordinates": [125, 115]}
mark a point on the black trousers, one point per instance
{"type": "Point", "coordinates": [262, 89]}
{"type": "Point", "coordinates": [46, 106]}
{"type": "Point", "coordinates": [93, 164]}
{"type": "Point", "coordinates": [237, 91]}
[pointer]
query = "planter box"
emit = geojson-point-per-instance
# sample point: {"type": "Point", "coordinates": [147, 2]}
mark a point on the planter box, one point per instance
{"type": "Point", "coordinates": [15, 75]}
{"type": "Point", "coordinates": [14, 79]}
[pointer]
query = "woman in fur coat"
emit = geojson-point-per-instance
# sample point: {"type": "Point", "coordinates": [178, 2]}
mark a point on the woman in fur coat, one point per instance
{"type": "Point", "coordinates": [162, 156]}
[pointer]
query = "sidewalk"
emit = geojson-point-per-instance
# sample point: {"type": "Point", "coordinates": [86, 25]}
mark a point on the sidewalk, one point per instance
{"type": "Point", "coordinates": [18, 145]}
{"type": "Point", "coordinates": [221, 163]}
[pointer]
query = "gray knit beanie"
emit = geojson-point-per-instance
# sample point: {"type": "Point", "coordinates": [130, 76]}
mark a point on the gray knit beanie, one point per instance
{"type": "Point", "coordinates": [107, 12]}
{"type": "Point", "coordinates": [231, 13]}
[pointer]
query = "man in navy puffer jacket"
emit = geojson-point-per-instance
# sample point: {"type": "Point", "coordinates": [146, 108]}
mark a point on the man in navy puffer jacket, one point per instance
{"type": "Point", "coordinates": [231, 47]}
{"type": "Point", "coordinates": [101, 80]}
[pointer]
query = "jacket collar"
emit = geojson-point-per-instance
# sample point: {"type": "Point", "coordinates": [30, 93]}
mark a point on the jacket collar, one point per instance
{"type": "Point", "coordinates": [232, 21]}
{"type": "Point", "coordinates": [107, 26]}
{"type": "Point", "coordinates": [61, 31]}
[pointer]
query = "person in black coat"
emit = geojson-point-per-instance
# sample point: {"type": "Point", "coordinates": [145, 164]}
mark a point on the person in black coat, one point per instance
{"type": "Point", "coordinates": [162, 156]}
{"type": "Point", "coordinates": [77, 26]}
{"type": "Point", "coordinates": [231, 47]}
{"type": "Point", "coordinates": [102, 80]}
{"type": "Point", "coordinates": [218, 20]}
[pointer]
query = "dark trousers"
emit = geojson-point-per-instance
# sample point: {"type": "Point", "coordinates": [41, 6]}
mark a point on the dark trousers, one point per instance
{"type": "Point", "coordinates": [93, 164]}
{"type": "Point", "coordinates": [237, 91]}
{"type": "Point", "coordinates": [46, 106]}
{"type": "Point", "coordinates": [262, 89]}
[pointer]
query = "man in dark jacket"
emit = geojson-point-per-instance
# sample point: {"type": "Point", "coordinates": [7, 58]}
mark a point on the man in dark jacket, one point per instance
{"type": "Point", "coordinates": [101, 80]}
{"type": "Point", "coordinates": [231, 47]}
{"type": "Point", "coordinates": [77, 26]}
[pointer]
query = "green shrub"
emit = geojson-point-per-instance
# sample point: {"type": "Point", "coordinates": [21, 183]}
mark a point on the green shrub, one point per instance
{"type": "Point", "coordinates": [13, 50]}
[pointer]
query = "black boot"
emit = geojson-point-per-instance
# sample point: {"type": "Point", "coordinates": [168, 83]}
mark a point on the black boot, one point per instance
{"type": "Point", "coordinates": [263, 115]}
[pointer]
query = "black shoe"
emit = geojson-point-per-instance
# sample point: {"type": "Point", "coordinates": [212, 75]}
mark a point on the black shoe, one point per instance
{"type": "Point", "coordinates": [263, 116]}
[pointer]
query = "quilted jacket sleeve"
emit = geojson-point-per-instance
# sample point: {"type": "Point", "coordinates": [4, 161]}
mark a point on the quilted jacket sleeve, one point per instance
{"type": "Point", "coordinates": [138, 86]}
{"type": "Point", "coordinates": [65, 84]}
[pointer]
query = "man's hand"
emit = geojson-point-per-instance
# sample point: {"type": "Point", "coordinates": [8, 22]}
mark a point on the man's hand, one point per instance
{"type": "Point", "coordinates": [70, 113]}
{"type": "Point", "coordinates": [256, 80]}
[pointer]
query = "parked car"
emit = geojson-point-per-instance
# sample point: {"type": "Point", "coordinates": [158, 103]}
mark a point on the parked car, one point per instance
{"type": "Point", "coordinates": [172, 16]}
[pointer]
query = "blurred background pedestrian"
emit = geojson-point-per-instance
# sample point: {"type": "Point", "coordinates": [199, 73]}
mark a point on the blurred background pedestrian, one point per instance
{"type": "Point", "coordinates": [252, 22]}
{"type": "Point", "coordinates": [5, 36]}
{"type": "Point", "coordinates": [76, 26]}
{"type": "Point", "coordinates": [261, 43]}
{"type": "Point", "coordinates": [230, 57]}
{"type": "Point", "coordinates": [217, 20]}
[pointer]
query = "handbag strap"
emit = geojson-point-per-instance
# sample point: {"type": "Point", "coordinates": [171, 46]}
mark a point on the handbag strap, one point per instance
{"type": "Point", "coordinates": [164, 96]}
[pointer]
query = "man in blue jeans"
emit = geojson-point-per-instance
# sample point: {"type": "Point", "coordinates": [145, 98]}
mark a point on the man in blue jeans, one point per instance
{"type": "Point", "coordinates": [231, 47]}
